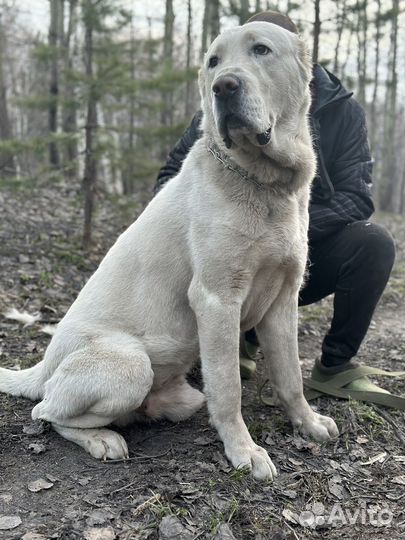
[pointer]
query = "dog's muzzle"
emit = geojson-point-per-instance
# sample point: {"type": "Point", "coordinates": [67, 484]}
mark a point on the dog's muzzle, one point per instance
{"type": "Point", "coordinates": [227, 90]}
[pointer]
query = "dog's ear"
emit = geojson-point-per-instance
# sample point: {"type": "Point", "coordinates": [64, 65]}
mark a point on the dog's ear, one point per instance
{"type": "Point", "coordinates": [201, 81]}
{"type": "Point", "coordinates": [304, 59]}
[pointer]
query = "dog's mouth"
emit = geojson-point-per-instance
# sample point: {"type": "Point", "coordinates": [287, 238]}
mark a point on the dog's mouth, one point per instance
{"type": "Point", "coordinates": [233, 121]}
{"type": "Point", "coordinates": [230, 121]}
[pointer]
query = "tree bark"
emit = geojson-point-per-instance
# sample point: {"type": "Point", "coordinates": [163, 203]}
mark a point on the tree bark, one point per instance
{"type": "Point", "coordinates": [211, 24]}
{"type": "Point", "coordinates": [214, 20]}
{"type": "Point", "coordinates": [189, 83]}
{"type": "Point", "coordinates": [7, 159]}
{"type": "Point", "coordinates": [340, 24]}
{"type": "Point", "coordinates": [317, 31]}
{"type": "Point", "coordinates": [69, 113]}
{"type": "Point", "coordinates": [389, 179]}
{"type": "Point", "coordinates": [244, 13]}
{"type": "Point", "coordinates": [90, 164]}
{"type": "Point", "coordinates": [129, 170]}
{"type": "Point", "coordinates": [347, 53]}
{"type": "Point", "coordinates": [204, 30]}
{"type": "Point", "coordinates": [361, 33]}
{"type": "Point", "coordinates": [167, 96]}
{"type": "Point", "coordinates": [56, 11]}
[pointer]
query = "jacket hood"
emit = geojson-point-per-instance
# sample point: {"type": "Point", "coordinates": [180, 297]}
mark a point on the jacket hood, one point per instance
{"type": "Point", "coordinates": [328, 89]}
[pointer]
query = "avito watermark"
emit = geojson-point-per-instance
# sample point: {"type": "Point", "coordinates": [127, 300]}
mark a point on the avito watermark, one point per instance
{"type": "Point", "coordinates": [338, 516]}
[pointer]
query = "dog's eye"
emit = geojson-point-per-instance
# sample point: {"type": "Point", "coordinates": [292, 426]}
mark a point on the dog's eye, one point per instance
{"type": "Point", "coordinates": [261, 49]}
{"type": "Point", "coordinates": [213, 61]}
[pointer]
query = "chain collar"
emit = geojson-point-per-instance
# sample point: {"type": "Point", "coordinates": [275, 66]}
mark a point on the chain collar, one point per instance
{"type": "Point", "coordinates": [226, 161]}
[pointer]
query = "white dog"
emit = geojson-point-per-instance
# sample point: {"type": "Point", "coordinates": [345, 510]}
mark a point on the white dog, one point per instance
{"type": "Point", "coordinates": [220, 250]}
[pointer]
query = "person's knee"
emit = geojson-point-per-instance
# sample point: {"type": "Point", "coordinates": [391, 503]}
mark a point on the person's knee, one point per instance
{"type": "Point", "coordinates": [376, 243]}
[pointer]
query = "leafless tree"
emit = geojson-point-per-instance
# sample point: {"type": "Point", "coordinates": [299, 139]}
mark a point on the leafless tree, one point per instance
{"type": "Point", "coordinates": [317, 31]}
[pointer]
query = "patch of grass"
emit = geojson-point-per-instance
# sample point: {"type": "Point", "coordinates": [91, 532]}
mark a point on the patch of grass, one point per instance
{"type": "Point", "coordinates": [72, 258]}
{"type": "Point", "coordinates": [278, 422]}
{"type": "Point", "coordinates": [161, 508]}
{"type": "Point", "coordinates": [45, 278]}
{"type": "Point", "coordinates": [226, 516]}
{"type": "Point", "coordinates": [371, 422]}
{"type": "Point", "coordinates": [395, 289]}
{"type": "Point", "coordinates": [6, 403]}
{"type": "Point", "coordinates": [212, 484]}
{"type": "Point", "coordinates": [16, 185]}
{"type": "Point", "coordinates": [24, 278]}
{"type": "Point", "coordinates": [257, 429]}
{"type": "Point", "coordinates": [314, 312]}
{"type": "Point", "coordinates": [239, 474]}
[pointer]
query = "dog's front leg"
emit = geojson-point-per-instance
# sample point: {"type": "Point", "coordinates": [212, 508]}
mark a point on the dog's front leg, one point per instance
{"type": "Point", "coordinates": [218, 319]}
{"type": "Point", "coordinates": [278, 337]}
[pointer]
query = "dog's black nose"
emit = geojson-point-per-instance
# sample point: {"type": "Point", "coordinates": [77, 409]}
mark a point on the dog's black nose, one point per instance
{"type": "Point", "coordinates": [226, 86]}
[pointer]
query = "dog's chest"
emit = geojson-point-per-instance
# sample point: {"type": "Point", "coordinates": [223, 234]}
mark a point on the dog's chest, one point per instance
{"type": "Point", "coordinates": [278, 258]}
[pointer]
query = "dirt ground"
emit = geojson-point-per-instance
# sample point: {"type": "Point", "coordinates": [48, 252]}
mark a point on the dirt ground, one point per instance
{"type": "Point", "coordinates": [177, 483]}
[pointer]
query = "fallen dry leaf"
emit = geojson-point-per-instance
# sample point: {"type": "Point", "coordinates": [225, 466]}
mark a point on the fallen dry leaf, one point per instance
{"type": "Point", "coordinates": [378, 458]}
{"type": "Point", "coordinates": [290, 516]}
{"type": "Point", "coordinates": [39, 485]}
{"type": "Point", "coordinates": [99, 533]}
{"type": "Point", "coordinates": [9, 522]}
{"type": "Point", "coordinates": [33, 536]}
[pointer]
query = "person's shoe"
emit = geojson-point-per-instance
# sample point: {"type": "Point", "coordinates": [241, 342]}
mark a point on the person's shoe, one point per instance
{"type": "Point", "coordinates": [323, 373]}
{"type": "Point", "coordinates": [249, 347]}
{"type": "Point", "coordinates": [247, 368]}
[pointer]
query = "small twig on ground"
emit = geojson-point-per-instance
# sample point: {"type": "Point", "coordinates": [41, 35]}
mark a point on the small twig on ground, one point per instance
{"type": "Point", "coordinates": [292, 530]}
{"type": "Point", "coordinates": [136, 458]}
{"type": "Point", "coordinates": [125, 487]}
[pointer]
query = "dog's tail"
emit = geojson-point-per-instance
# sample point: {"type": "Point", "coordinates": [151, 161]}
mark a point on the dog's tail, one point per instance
{"type": "Point", "coordinates": [27, 383]}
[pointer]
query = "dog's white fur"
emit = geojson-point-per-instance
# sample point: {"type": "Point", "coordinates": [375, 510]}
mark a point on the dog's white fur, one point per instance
{"type": "Point", "coordinates": [211, 255]}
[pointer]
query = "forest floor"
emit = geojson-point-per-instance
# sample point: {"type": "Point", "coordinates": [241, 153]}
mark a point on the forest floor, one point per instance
{"type": "Point", "coordinates": [177, 483]}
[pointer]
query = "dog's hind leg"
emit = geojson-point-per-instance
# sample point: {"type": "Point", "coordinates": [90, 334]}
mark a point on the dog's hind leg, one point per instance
{"type": "Point", "coordinates": [108, 378]}
{"type": "Point", "coordinates": [176, 400]}
{"type": "Point", "coordinates": [99, 443]}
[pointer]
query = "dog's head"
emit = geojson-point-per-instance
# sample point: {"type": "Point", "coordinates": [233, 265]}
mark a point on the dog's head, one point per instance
{"type": "Point", "coordinates": [254, 77]}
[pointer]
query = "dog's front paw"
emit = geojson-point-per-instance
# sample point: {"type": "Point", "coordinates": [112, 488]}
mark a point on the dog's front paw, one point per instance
{"type": "Point", "coordinates": [320, 428]}
{"type": "Point", "coordinates": [106, 444]}
{"type": "Point", "coordinates": [253, 457]}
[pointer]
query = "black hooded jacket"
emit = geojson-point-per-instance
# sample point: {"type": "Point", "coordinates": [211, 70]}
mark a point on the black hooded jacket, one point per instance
{"type": "Point", "coordinates": [341, 188]}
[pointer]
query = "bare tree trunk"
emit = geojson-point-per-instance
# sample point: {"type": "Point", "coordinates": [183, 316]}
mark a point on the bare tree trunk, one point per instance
{"type": "Point", "coordinates": [69, 120]}
{"type": "Point", "coordinates": [240, 8]}
{"type": "Point", "coordinates": [189, 83]}
{"type": "Point", "coordinates": [210, 28]}
{"type": "Point", "coordinates": [317, 31]}
{"type": "Point", "coordinates": [56, 11]}
{"type": "Point", "coordinates": [90, 164]}
{"type": "Point", "coordinates": [167, 112]}
{"type": "Point", "coordinates": [389, 178]}
{"type": "Point", "coordinates": [402, 194]}
{"type": "Point", "coordinates": [129, 172]}
{"type": "Point", "coordinates": [244, 11]}
{"type": "Point", "coordinates": [7, 159]}
{"type": "Point", "coordinates": [214, 19]}
{"type": "Point", "coordinates": [204, 30]}
{"type": "Point", "coordinates": [347, 53]}
{"type": "Point", "coordinates": [340, 25]}
{"type": "Point", "coordinates": [361, 33]}
{"type": "Point", "coordinates": [373, 108]}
